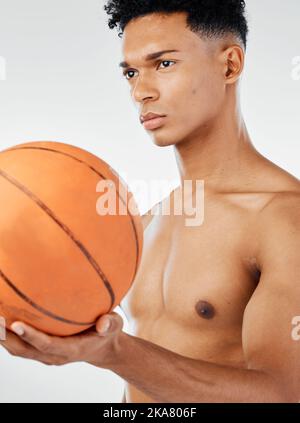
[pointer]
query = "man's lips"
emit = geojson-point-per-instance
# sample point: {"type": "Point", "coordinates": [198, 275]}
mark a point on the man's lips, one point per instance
{"type": "Point", "coordinates": [152, 120]}
{"type": "Point", "coordinates": [154, 123]}
{"type": "Point", "coordinates": [148, 116]}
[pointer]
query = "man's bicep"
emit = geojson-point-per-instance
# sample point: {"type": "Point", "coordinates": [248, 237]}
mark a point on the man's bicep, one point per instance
{"type": "Point", "coordinates": [268, 331]}
{"type": "Point", "coordinates": [269, 340]}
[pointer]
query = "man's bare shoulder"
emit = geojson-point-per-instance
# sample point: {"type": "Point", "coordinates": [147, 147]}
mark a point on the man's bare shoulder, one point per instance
{"type": "Point", "coordinates": [279, 223]}
{"type": "Point", "coordinates": [285, 204]}
{"type": "Point", "coordinates": [278, 180]}
{"type": "Point", "coordinates": [156, 209]}
{"type": "Point", "coordinates": [146, 218]}
{"type": "Point", "coordinates": [149, 215]}
{"type": "Point", "coordinates": [274, 189]}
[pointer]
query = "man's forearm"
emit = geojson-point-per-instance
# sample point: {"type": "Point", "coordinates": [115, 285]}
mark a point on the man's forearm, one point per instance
{"type": "Point", "coordinates": [169, 377]}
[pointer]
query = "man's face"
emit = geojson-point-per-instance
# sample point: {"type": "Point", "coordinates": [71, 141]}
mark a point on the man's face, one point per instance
{"type": "Point", "coordinates": [187, 86]}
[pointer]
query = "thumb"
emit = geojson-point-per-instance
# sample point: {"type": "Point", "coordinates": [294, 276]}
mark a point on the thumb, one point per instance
{"type": "Point", "coordinates": [109, 324]}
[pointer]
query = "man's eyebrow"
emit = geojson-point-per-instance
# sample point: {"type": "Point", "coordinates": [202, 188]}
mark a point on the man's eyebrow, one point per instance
{"type": "Point", "coordinates": [149, 57]}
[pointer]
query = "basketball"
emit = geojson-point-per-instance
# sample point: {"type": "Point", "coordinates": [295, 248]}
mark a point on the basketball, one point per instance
{"type": "Point", "coordinates": [62, 263]}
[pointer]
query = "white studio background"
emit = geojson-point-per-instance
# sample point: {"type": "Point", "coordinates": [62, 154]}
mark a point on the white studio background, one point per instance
{"type": "Point", "coordinates": [60, 81]}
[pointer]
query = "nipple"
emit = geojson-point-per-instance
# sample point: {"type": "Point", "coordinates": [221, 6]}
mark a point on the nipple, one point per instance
{"type": "Point", "coordinates": [205, 310]}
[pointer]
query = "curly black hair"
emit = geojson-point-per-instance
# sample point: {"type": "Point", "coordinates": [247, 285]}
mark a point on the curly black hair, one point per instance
{"type": "Point", "coordinates": [209, 18]}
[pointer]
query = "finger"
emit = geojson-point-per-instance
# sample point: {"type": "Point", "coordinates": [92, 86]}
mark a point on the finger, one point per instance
{"type": "Point", "coordinates": [15, 346]}
{"type": "Point", "coordinates": [14, 342]}
{"type": "Point", "coordinates": [109, 324]}
{"type": "Point", "coordinates": [31, 354]}
{"type": "Point", "coordinates": [39, 340]}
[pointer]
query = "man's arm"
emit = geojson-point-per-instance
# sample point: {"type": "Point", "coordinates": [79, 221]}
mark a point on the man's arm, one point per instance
{"type": "Point", "coordinates": [271, 348]}
{"type": "Point", "coordinates": [273, 356]}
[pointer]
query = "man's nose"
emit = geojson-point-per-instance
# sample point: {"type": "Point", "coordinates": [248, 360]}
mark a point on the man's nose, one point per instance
{"type": "Point", "coordinates": [144, 90]}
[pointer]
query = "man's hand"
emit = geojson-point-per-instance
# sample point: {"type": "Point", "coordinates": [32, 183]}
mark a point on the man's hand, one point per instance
{"type": "Point", "coordinates": [94, 346]}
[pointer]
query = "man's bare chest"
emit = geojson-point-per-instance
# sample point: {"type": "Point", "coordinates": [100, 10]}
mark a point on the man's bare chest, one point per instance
{"type": "Point", "coordinates": [195, 276]}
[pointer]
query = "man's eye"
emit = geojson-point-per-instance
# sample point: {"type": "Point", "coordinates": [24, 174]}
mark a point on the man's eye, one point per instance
{"type": "Point", "coordinates": [166, 61]}
{"type": "Point", "coordinates": [130, 71]}
{"type": "Point", "coordinates": [126, 74]}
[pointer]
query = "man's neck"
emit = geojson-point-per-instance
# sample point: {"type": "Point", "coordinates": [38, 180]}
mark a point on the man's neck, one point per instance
{"type": "Point", "coordinates": [224, 157]}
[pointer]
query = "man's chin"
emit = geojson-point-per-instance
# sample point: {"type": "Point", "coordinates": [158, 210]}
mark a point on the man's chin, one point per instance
{"type": "Point", "coordinates": [161, 141]}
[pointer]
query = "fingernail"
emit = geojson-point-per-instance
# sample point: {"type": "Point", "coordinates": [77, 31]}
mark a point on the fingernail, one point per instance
{"type": "Point", "coordinates": [18, 329]}
{"type": "Point", "coordinates": [106, 326]}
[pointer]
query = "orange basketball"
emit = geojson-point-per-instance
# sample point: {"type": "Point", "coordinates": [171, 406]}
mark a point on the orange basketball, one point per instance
{"type": "Point", "coordinates": [62, 263]}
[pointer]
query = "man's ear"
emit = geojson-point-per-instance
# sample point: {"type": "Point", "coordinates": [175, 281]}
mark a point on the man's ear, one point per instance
{"type": "Point", "coordinates": [233, 59]}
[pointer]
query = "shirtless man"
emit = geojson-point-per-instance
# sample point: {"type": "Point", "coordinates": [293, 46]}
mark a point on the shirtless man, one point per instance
{"type": "Point", "coordinates": [212, 306]}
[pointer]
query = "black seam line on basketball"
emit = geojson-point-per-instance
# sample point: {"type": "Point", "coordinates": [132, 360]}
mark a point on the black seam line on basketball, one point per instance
{"type": "Point", "coordinates": [99, 174]}
{"type": "Point", "coordinates": [82, 248]}
{"type": "Point", "coordinates": [39, 308]}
